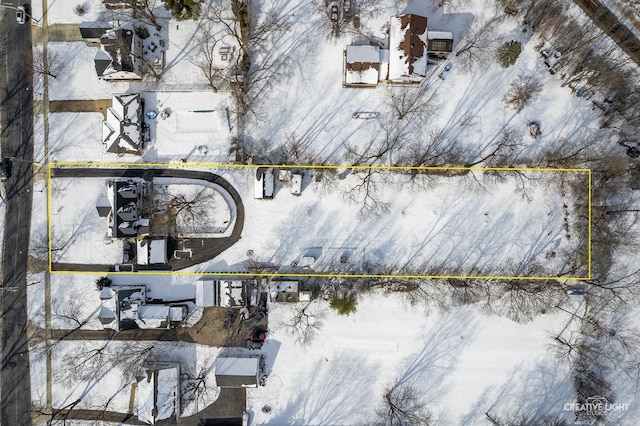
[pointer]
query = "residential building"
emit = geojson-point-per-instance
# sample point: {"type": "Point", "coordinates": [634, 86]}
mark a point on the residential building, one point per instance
{"type": "Point", "coordinates": [124, 210]}
{"type": "Point", "coordinates": [362, 65]}
{"type": "Point", "coordinates": [407, 48]}
{"type": "Point", "coordinates": [224, 293]}
{"type": "Point", "coordinates": [120, 55]}
{"type": "Point", "coordinates": [237, 372]}
{"type": "Point", "coordinates": [157, 396]}
{"type": "Point", "coordinates": [126, 308]}
{"type": "Point", "coordinates": [123, 130]}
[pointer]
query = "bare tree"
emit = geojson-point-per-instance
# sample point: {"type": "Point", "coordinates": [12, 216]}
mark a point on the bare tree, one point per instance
{"type": "Point", "coordinates": [390, 141]}
{"type": "Point", "coordinates": [503, 153]}
{"type": "Point", "coordinates": [480, 40]}
{"type": "Point", "coordinates": [522, 91]}
{"type": "Point", "coordinates": [187, 211]}
{"type": "Point", "coordinates": [52, 67]}
{"type": "Point", "coordinates": [407, 101]}
{"type": "Point", "coordinates": [403, 406]}
{"type": "Point", "coordinates": [305, 323]}
{"type": "Point", "coordinates": [220, 69]}
{"type": "Point", "coordinates": [144, 10]}
{"type": "Point", "coordinates": [295, 150]}
{"type": "Point", "coordinates": [71, 311]}
{"type": "Point", "coordinates": [366, 194]}
{"type": "Point", "coordinates": [199, 386]}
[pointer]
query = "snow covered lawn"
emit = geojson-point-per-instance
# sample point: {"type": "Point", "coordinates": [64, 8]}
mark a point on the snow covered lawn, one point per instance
{"type": "Point", "coordinates": [198, 127]}
{"type": "Point", "coordinates": [434, 225]}
{"type": "Point", "coordinates": [79, 234]}
{"type": "Point", "coordinates": [463, 364]}
{"type": "Point", "coordinates": [100, 374]}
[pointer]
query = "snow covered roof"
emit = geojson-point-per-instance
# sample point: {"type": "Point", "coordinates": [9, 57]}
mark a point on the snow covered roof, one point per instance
{"type": "Point", "coordinates": [407, 47]}
{"type": "Point", "coordinates": [152, 252]}
{"type": "Point", "coordinates": [93, 29]}
{"type": "Point", "coordinates": [439, 35]}
{"type": "Point", "coordinates": [363, 53]}
{"type": "Point", "coordinates": [122, 130]}
{"type": "Point", "coordinates": [157, 396]}
{"type": "Point", "coordinates": [264, 183]}
{"type": "Point", "coordinates": [124, 220]}
{"type": "Point", "coordinates": [237, 372]}
{"type": "Point", "coordinates": [230, 293]}
{"type": "Point", "coordinates": [123, 48]}
{"type": "Point", "coordinates": [362, 64]}
{"type": "Point", "coordinates": [205, 295]}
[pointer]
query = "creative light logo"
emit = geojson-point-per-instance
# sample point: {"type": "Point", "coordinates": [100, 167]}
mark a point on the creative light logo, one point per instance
{"type": "Point", "coordinates": [595, 406]}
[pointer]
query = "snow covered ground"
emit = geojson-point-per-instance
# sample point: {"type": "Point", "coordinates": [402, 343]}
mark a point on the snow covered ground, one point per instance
{"type": "Point", "coordinates": [467, 108]}
{"type": "Point", "coordinates": [79, 234]}
{"type": "Point", "coordinates": [443, 225]}
{"type": "Point", "coordinates": [100, 374]}
{"type": "Point", "coordinates": [439, 225]}
{"type": "Point", "coordinates": [198, 128]}
{"type": "Point", "coordinates": [463, 363]}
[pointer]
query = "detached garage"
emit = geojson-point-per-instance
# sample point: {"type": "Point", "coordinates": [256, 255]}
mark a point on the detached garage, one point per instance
{"type": "Point", "coordinates": [237, 372]}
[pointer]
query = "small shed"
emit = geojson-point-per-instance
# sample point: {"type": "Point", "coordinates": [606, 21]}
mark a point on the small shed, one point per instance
{"type": "Point", "coordinates": [440, 44]}
{"type": "Point", "coordinates": [362, 65]}
{"type": "Point", "coordinates": [205, 293]}
{"type": "Point", "coordinates": [237, 372]}
{"type": "Point", "coordinates": [296, 183]}
{"type": "Point", "coordinates": [152, 252]}
{"type": "Point", "coordinates": [264, 183]}
{"type": "Point", "coordinates": [284, 291]}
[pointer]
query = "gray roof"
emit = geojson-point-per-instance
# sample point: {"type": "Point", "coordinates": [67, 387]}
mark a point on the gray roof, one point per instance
{"type": "Point", "coordinates": [104, 206]}
{"type": "Point", "coordinates": [237, 372]}
{"type": "Point", "coordinates": [93, 29]}
{"type": "Point", "coordinates": [102, 61]}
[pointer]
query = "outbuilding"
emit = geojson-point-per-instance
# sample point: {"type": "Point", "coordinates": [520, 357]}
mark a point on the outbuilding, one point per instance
{"type": "Point", "coordinates": [237, 372]}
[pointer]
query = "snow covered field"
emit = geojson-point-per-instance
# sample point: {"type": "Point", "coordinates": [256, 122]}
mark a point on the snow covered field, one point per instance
{"type": "Point", "coordinates": [79, 234]}
{"type": "Point", "coordinates": [475, 224]}
{"type": "Point", "coordinates": [467, 109]}
{"type": "Point", "coordinates": [438, 225]}
{"type": "Point", "coordinates": [99, 374]}
{"type": "Point", "coordinates": [463, 363]}
{"type": "Point", "coordinates": [467, 366]}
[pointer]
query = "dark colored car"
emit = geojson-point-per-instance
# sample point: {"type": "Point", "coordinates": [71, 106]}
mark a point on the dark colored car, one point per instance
{"type": "Point", "coordinates": [6, 169]}
{"type": "Point", "coordinates": [334, 13]}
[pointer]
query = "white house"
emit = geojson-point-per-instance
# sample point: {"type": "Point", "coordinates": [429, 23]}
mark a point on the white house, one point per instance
{"type": "Point", "coordinates": [362, 65]}
{"type": "Point", "coordinates": [157, 396]}
{"type": "Point", "coordinates": [122, 131]}
{"type": "Point", "coordinates": [407, 48]}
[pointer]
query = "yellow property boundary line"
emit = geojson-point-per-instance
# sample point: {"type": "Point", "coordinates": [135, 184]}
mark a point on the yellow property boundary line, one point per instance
{"type": "Point", "coordinates": [71, 164]}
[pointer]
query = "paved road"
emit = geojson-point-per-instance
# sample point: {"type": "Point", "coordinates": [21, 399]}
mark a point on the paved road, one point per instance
{"type": "Point", "coordinates": [16, 137]}
{"type": "Point", "coordinates": [204, 249]}
{"type": "Point", "coordinates": [608, 22]}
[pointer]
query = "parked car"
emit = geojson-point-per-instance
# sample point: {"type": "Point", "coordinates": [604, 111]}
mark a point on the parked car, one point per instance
{"type": "Point", "coordinates": [334, 13]}
{"type": "Point", "coordinates": [21, 15]}
{"type": "Point", "coordinates": [6, 168]}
